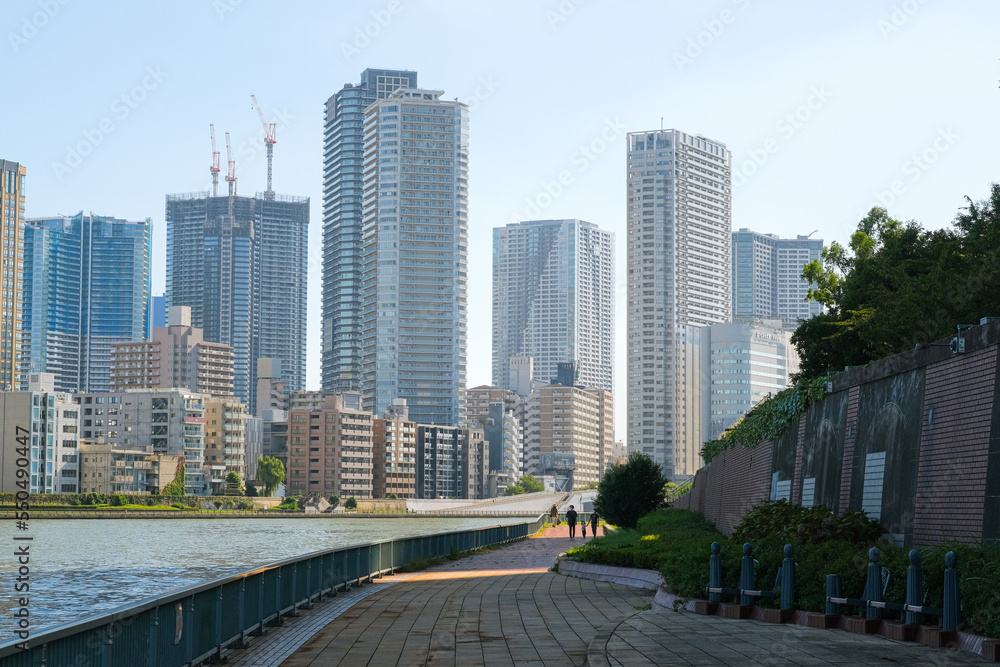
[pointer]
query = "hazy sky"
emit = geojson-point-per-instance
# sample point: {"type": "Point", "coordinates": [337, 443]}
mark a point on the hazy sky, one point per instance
{"type": "Point", "coordinates": [828, 108]}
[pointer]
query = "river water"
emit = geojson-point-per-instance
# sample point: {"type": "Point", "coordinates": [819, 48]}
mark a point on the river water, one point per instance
{"type": "Point", "coordinates": [81, 567]}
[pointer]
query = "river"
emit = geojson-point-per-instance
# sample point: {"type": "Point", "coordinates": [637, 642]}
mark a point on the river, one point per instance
{"type": "Point", "coordinates": [80, 567]}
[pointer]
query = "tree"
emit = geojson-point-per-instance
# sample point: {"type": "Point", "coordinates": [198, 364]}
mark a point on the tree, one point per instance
{"type": "Point", "coordinates": [514, 490]}
{"type": "Point", "coordinates": [270, 473]}
{"type": "Point", "coordinates": [351, 504]}
{"type": "Point", "coordinates": [233, 482]}
{"type": "Point", "coordinates": [530, 484]}
{"type": "Point", "coordinates": [175, 488]}
{"type": "Point", "coordinates": [630, 490]}
{"type": "Point", "coordinates": [251, 491]}
{"type": "Point", "coordinates": [391, 496]}
{"type": "Point", "coordinates": [334, 500]}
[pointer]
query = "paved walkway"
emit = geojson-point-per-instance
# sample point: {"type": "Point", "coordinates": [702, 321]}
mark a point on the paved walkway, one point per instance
{"type": "Point", "coordinates": [668, 637]}
{"type": "Point", "coordinates": [506, 607]}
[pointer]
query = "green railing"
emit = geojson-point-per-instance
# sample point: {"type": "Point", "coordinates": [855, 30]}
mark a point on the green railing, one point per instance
{"type": "Point", "coordinates": [196, 624]}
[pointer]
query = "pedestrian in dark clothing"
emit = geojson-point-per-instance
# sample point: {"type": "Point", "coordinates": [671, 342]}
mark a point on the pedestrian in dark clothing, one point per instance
{"type": "Point", "coordinates": [593, 523]}
{"type": "Point", "coordinates": [571, 521]}
{"type": "Point", "coordinates": [583, 529]}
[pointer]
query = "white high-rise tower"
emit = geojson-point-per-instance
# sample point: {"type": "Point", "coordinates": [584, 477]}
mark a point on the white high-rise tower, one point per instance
{"type": "Point", "coordinates": [679, 266]}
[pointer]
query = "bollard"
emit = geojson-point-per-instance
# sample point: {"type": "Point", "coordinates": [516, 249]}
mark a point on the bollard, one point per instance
{"type": "Point", "coordinates": [914, 588]}
{"type": "Point", "coordinates": [787, 575]}
{"type": "Point", "coordinates": [715, 572]}
{"type": "Point", "coordinates": [949, 615]}
{"type": "Point", "coordinates": [747, 574]}
{"type": "Point", "coordinates": [832, 591]}
{"type": "Point", "coordinates": [873, 584]}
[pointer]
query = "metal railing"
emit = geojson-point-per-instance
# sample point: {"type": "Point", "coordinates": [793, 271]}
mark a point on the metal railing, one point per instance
{"type": "Point", "coordinates": [196, 624]}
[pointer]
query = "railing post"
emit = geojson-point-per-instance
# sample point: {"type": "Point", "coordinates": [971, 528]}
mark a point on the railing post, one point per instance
{"type": "Point", "coordinates": [154, 637]}
{"type": "Point", "coordinates": [832, 591]}
{"type": "Point", "coordinates": [787, 582]}
{"type": "Point", "coordinates": [914, 588]}
{"type": "Point", "coordinates": [747, 574]}
{"type": "Point", "coordinates": [715, 572]}
{"type": "Point", "coordinates": [218, 624]}
{"type": "Point", "coordinates": [873, 584]}
{"type": "Point", "coordinates": [952, 600]}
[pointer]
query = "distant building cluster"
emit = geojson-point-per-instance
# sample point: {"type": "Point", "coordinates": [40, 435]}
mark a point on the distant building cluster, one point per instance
{"type": "Point", "coordinates": [123, 392]}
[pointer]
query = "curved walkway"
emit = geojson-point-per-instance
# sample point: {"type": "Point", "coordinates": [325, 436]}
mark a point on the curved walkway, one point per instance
{"type": "Point", "coordinates": [506, 607]}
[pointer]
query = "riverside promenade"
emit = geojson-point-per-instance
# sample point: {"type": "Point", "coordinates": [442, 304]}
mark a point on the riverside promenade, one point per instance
{"type": "Point", "coordinates": [507, 607]}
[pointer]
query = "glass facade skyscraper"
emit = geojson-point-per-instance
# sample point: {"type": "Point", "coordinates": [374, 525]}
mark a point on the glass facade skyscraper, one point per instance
{"type": "Point", "coordinates": [240, 264]}
{"type": "Point", "coordinates": [767, 277]}
{"type": "Point", "coordinates": [415, 256]}
{"type": "Point", "coordinates": [554, 300]}
{"type": "Point", "coordinates": [87, 286]}
{"type": "Point", "coordinates": [679, 225]}
{"type": "Point", "coordinates": [343, 147]}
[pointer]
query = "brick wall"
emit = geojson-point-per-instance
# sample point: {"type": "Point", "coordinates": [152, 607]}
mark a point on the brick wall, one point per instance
{"type": "Point", "coordinates": [954, 449]}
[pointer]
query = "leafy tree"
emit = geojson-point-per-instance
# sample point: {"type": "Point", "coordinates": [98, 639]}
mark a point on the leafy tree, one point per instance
{"type": "Point", "coordinates": [391, 496]}
{"type": "Point", "coordinates": [351, 504]}
{"type": "Point", "coordinates": [630, 490]}
{"type": "Point", "coordinates": [530, 484]}
{"type": "Point", "coordinates": [271, 473]}
{"type": "Point", "coordinates": [234, 483]}
{"type": "Point", "coordinates": [514, 490]}
{"type": "Point", "coordinates": [175, 488]}
{"type": "Point", "coordinates": [897, 286]}
{"type": "Point", "coordinates": [334, 500]}
{"type": "Point", "coordinates": [251, 491]}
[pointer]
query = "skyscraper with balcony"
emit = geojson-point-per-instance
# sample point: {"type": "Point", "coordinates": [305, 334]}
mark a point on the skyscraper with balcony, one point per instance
{"type": "Point", "coordinates": [767, 277]}
{"type": "Point", "coordinates": [12, 177]}
{"type": "Point", "coordinates": [679, 245]}
{"type": "Point", "coordinates": [414, 257]}
{"type": "Point", "coordinates": [554, 299]}
{"type": "Point", "coordinates": [240, 264]}
{"type": "Point", "coordinates": [87, 286]}
{"type": "Point", "coordinates": [343, 180]}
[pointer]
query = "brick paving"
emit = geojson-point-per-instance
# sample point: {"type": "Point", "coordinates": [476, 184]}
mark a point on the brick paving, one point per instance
{"type": "Point", "coordinates": [683, 638]}
{"type": "Point", "coordinates": [506, 607]}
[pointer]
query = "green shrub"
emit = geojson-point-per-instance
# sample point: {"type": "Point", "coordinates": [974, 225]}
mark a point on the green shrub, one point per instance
{"type": "Point", "coordinates": [630, 490]}
{"type": "Point", "coordinates": [807, 525]}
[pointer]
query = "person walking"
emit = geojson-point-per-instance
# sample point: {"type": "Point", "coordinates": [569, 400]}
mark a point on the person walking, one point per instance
{"type": "Point", "coordinates": [554, 513]}
{"type": "Point", "coordinates": [571, 522]}
{"type": "Point", "coordinates": [593, 523]}
{"type": "Point", "coordinates": [583, 529]}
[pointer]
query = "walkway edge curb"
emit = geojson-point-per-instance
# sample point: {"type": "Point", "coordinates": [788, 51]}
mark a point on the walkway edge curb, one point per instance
{"type": "Point", "coordinates": [650, 580]}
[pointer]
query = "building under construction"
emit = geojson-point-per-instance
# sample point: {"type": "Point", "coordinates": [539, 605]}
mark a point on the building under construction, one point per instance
{"type": "Point", "coordinates": [240, 264]}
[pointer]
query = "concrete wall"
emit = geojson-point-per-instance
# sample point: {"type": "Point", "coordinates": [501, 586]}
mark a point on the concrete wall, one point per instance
{"type": "Point", "coordinates": [933, 417]}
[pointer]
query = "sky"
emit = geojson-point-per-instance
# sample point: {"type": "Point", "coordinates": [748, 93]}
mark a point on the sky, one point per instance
{"type": "Point", "coordinates": [828, 108]}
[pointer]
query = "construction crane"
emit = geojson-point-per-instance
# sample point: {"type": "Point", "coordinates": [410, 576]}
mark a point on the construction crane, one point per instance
{"type": "Point", "coordinates": [269, 140]}
{"type": "Point", "coordinates": [215, 164]}
{"type": "Point", "coordinates": [231, 174]}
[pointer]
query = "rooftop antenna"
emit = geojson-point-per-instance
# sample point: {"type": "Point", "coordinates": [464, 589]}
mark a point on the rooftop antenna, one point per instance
{"type": "Point", "coordinates": [215, 164]}
{"type": "Point", "coordinates": [269, 140]}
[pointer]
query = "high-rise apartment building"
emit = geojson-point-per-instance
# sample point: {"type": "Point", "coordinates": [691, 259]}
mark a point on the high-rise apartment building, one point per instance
{"type": "Point", "coordinates": [394, 457]}
{"type": "Point", "coordinates": [767, 277]}
{"type": "Point", "coordinates": [453, 462]}
{"type": "Point", "coordinates": [415, 256]}
{"type": "Point", "coordinates": [86, 287]}
{"type": "Point", "coordinates": [343, 182]}
{"type": "Point", "coordinates": [239, 263]}
{"type": "Point", "coordinates": [177, 356]}
{"type": "Point", "coordinates": [747, 362]}
{"type": "Point", "coordinates": [330, 449]}
{"type": "Point", "coordinates": [12, 176]}
{"type": "Point", "coordinates": [554, 299]}
{"type": "Point", "coordinates": [225, 440]}
{"type": "Point", "coordinates": [679, 245]}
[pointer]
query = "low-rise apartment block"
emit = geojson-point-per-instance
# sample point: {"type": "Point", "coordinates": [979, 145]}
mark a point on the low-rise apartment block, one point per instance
{"type": "Point", "coordinates": [330, 449]}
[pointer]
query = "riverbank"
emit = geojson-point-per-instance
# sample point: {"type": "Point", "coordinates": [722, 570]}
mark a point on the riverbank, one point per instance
{"type": "Point", "coordinates": [38, 515]}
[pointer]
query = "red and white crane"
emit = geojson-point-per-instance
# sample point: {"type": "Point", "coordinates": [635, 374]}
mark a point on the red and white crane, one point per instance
{"type": "Point", "coordinates": [231, 174]}
{"type": "Point", "coordinates": [269, 141]}
{"type": "Point", "coordinates": [215, 163]}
